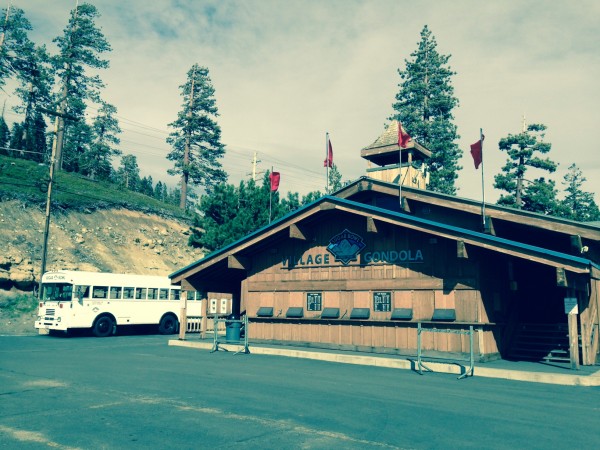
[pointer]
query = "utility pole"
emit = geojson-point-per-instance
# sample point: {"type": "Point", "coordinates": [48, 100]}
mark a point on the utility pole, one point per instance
{"type": "Point", "coordinates": [254, 166]}
{"type": "Point", "coordinates": [49, 196]}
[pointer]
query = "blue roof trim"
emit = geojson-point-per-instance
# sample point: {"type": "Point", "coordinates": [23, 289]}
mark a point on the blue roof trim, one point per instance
{"type": "Point", "coordinates": [248, 236]}
{"type": "Point", "coordinates": [392, 214]}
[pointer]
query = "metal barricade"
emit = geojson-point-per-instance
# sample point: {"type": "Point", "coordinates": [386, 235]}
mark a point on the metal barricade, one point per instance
{"type": "Point", "coordinates": [233, 331]}
{"type": "Point", "coordinates": [421, 366]}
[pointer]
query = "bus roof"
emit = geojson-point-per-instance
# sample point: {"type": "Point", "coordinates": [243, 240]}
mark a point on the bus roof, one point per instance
{"type": "Point", "coordinates": [77, 277]}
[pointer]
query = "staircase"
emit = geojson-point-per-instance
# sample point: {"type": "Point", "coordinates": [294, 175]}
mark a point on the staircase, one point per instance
{"type": "Point", "coordinates": [540, 342]}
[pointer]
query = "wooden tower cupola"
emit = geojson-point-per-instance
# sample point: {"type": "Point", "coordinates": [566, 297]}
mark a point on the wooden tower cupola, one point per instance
{"type": "Point", "coordinates": [395, 164]}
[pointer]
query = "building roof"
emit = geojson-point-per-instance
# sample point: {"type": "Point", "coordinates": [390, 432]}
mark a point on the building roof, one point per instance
{"type": "Point", "coordinates": [282, 227]}
{"type": "Point", "coordinates": [385, 150]}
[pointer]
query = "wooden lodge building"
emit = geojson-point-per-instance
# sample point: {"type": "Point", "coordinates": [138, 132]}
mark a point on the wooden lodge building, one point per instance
{"type": "Point", "coordinates": [368, 266]}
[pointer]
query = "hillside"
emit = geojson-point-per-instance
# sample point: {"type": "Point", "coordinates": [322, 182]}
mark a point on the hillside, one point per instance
{"type": "Point", "coordinates": [88, 231]}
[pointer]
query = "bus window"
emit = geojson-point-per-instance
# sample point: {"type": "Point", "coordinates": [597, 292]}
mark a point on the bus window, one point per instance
{"type": "Point", "coordinates": [128, 293]}
{"type": "Point", "coordinates": [175, 294]}
{"type": "Point", "coordinates": [152, 293]}
{"type": "Point", "coordinates": [191, 295]}
{"type": "Point", "coordinates": [140, 293]}
{"type": "Point", "coordinates": [100, 292]}
{"type": "Point", "coordinates": [57, 292]}
{"type": "Point", "coordinates": [82, 292]}
{"type": "Point", "coordinates": [163, 294]}
{"type": "Point", "coordinates": [115, 293]}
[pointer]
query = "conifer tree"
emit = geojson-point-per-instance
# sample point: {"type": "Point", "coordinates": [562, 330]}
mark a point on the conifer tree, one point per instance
{"type": "Point", "coordinates": [578, 204]}
{"type": "Point", "coordinates": [128, 173]}
{"type": "Point", "coordinates": [14, 43]}
{"type": "Point", "coordinates": [96, 162]}
{"type": "Point", "coordinates": [196, 141]}
{"type": "Point", "coordinates": [523, 150]}
{"type": "Point", "coordinates": [4, 135]}
{"type": "Point", "coordinates": [80, 48]}
{"type": "Point", "coordinates": [424, 105]}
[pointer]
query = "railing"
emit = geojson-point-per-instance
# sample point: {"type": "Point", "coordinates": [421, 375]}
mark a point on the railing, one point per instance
{"type": "Point", "coordinates": [233, 332]}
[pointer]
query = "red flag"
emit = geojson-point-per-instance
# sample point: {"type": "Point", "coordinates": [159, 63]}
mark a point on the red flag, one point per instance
{"type": "Point", "coordinates": [403, 136]}
{"type": "Point", "coordinates": [274, 177]}
{"type": "Point", "coordinates": [329, 160]}
{"type": "Point", "coordinates": [477, 152]}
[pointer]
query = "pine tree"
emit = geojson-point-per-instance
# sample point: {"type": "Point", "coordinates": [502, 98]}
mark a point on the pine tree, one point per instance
{"type": "Point", "coordinates": [14, 43]}
{"type": "Point", "coordinates": [424, 106]}
{"type": "Point", "coordinates": [96, 162]}
{"type": "Point", "coordinates": [539, 196]}
{"type": "Point", "coordinates": [335, 178]}
{"type": "Point", "coordinates": [577, 204]}
{"type": "Point", "coordinates": [34, 90]}
{"type": "Point", "coordinates": [196, 141]}
{"type": "Point", "coordinates": [523, 151]}
{"type": "Point", "coordinates": [80, 48]}
{"type": "Point", "coordinates": [4, 136]}
{"type": "Point", "coordinates": [128, 173]}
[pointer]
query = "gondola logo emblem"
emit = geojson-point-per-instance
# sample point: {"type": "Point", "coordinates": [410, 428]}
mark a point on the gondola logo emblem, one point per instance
{"type": "Point", "coordinates": [345, 246]}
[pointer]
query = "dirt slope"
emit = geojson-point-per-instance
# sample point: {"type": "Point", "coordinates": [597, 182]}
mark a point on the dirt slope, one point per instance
{"type": "Point", "coordinates": [112, 240]}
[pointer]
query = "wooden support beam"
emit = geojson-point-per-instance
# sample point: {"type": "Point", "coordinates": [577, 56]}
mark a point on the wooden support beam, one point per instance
{"type": "Point", "coordinates": [326, 206]}
{"type": "Point", "coordinates": [573, 341]}
{"type": "Point", "coordinates": [238, 262]}
{"type": "Point", "coordinates": [297, 232]}
{"type": "Point", "coordinates": [576, 245]}
{"type": "Point", "coordinates": [561, 277]}
{"type": "Point", "coordinates": [488, 227]}
{"type": "Point", "coordinates": [371, 225]}
{"type": "Point", "coordinates": [461, 250]}
{"type": "Point", "coordinates": [406, 205]}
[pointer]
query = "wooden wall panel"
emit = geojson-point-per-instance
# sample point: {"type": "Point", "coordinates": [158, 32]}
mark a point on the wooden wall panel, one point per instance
{"type": "Point", "coordinates": [423, 302]}
{"type": "Point", "coordinates": [402, 299]}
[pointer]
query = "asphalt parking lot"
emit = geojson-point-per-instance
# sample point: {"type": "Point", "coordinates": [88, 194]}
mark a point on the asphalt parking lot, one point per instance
{"type": "Point", "coordinates": [138, 392]}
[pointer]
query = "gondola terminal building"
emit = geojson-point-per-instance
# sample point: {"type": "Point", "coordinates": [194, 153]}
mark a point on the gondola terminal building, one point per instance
{"type": "Point", "coordinates": [368, 266]}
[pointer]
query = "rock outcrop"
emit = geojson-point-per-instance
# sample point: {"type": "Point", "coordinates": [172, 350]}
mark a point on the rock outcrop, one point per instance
{"type": "Point", "coordinates": [110, 240]}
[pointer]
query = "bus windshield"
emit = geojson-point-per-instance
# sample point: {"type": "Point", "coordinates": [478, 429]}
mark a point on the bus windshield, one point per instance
{"type": "Point", "coordinates": [57, 292]}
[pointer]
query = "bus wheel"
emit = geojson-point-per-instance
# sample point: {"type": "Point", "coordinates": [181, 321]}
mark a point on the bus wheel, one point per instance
{"type": "Point", "coordinates": [168, 324]}
{"type": "Point", "coordinates": [103, 327]}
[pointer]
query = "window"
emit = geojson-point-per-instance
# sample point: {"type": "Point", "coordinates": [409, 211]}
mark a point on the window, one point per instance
{"type": "Point", "coordinates": [314, 301]}
{"type": "Point", "coordinates": [82, 292]}
{"type": "Point", "coordinates": [175, 294]}
{"type": "Point", "coordinates": [128, 293]}
{"type": "Point", "coordinates": [100, 292]}
{"type": "Point", "coordinates": [152, 293]}
{"type": "Point", "coordinates": [140, 293]}
{"type": "Point", "coordinates": [115, 292]}
{"type": "Point", "coordinates": [163, 294]}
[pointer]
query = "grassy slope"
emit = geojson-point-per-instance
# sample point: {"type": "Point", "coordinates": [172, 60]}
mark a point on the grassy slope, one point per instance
{"type": "Point", "coordinates": [28, 181]}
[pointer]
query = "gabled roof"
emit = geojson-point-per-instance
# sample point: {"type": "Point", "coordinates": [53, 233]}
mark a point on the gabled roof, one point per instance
{"type": "Point", "coordinates": [365, 185]}
{"type": "Point", "coordinates": [329, 203]}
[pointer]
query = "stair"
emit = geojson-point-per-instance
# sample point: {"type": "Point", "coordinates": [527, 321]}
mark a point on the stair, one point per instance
{"type": "Point", "coordinates": [541, 342]}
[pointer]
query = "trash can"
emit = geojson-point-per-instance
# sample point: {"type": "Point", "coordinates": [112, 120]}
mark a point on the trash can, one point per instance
{"type": "Point", "coordinates": [232, 329]}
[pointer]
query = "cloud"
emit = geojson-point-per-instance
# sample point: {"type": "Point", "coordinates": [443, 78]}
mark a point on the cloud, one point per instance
{"type": "Point", "coordinates": [285, 73]}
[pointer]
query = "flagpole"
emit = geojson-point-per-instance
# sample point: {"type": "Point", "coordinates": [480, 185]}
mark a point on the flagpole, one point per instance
{"type": "Point", "coordinates": [482, 181]}
{"type": "Point", "coordinates": [270, 193]}
{"type": "Point", "coordinates": [399, 167]}
{"type": "Point", "coordinates": [327, 162]}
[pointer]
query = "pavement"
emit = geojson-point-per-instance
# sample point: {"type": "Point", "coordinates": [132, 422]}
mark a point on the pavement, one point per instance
{"type": "Point", "coordinates": [535, 372]}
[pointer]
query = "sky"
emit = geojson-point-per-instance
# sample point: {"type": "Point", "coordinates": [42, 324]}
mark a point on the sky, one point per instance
{"type": "Point", "coordinates": [286, 72]}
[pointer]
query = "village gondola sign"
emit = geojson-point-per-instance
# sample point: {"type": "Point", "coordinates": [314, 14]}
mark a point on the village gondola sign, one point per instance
{"type": "Point", "coordinates": [346, 247]}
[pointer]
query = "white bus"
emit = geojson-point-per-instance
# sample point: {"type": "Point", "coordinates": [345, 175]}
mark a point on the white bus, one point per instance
{"type": "Point", "coordinates": [103, 301]}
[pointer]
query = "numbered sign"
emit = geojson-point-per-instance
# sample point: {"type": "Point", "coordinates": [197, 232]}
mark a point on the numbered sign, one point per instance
{"type": "Point", "coordinates": [382, 301]}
